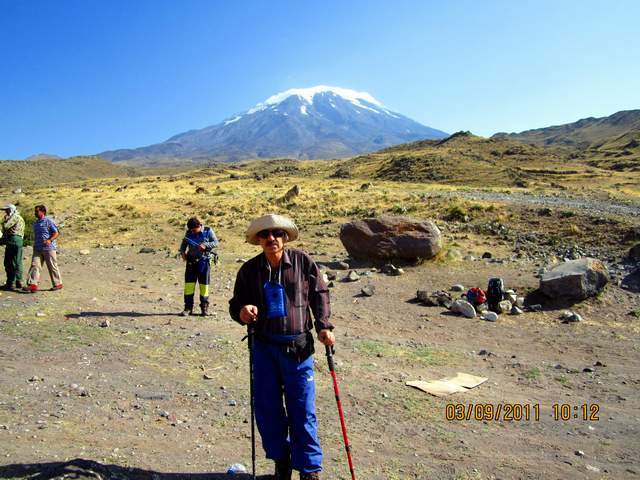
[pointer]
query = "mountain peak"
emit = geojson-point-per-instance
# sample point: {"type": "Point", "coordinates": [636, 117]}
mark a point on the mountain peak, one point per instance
{"type": "Point", "coordinates": [303, 123]}
{"type": "Point", "coordinates": [307, 95]}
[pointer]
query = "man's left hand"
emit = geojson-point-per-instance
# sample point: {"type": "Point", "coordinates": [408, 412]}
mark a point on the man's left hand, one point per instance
{"type": "Point", "coordinates": [201, 247]}
{"type": "Point", "coordinates": [326, 337]}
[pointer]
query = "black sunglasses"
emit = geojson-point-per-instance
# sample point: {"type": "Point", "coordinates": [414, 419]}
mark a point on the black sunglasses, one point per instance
{"type": "Point", "coordinates": [276, 233]}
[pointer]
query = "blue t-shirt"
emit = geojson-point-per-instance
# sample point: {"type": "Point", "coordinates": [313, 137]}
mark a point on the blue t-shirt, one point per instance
{"type": "Point", "coordinates": [42, 230]}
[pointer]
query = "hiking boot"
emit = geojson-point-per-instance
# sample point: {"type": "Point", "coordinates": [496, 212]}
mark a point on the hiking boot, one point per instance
{"type": "Point", "coordinates": [186, 312]}
{"type": "Point", "coordinates": [18, 285]}
{"type": "Point", "coordinates": [283, 469]}
{"type": "Point", "coordinates": [6, 286]}
{"type": "Point", "coordinates": [57, 287]}
{"type": "Point", "coordinates": [204, 310]}
{"type": "Point", "coordinates": [30, 288]}
{"type": "Point", "coordinates": [310, 476]}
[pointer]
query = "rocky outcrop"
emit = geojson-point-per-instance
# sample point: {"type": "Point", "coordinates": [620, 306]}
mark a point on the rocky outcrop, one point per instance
{"type": "Point", "coordinates": [575, 280]}
{"type": "Point", "coordinates": [386, 237]}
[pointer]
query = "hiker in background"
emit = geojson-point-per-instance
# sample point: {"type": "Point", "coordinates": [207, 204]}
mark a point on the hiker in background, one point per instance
{"type": "Point", "coordinates": [196, 250]}
{"type": "Point", "coordinates": [275, 293]}
{"type": "Point", "coordinates": [12, 237]}
{"type": "Point", "coordinates": [45, 232]}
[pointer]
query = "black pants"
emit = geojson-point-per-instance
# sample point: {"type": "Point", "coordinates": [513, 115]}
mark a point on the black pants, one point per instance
{"type": "Point", "coordinates": [192, 274]}
{"type": "Point", "coordinates": [13, 259]}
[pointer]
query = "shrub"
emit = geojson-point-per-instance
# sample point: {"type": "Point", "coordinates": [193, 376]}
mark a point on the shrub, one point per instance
{"type": "Point", "coordinates": [456, 213]}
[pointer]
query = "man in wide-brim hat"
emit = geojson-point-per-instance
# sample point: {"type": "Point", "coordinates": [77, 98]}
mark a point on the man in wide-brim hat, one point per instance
{"type": "Point", "coordinates": [276, 292]}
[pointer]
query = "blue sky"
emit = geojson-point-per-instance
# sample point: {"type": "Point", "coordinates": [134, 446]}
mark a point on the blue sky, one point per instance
{"type": "Point", "coordinates": [81, 77]}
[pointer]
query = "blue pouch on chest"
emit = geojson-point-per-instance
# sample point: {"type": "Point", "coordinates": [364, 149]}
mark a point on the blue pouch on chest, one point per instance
{"type": "Point", "coordinates": [275, 301]}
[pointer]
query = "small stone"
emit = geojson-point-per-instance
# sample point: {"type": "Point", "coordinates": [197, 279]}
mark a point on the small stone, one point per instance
{"type": "Point", "coordinates": [147, 250]}
{"type": "Point", "coordinates": [422, 296]}
{"type": "Point", "coordinates": [464, 308]}
{"type": "Point", "coordinates": [343, 266]}
{"type": "Point", "coordinates": [331, 275]}
{"type": "Point", "coordinates": [535, 308]}
{"type": "Point", "coordinates": [579, 453]}
{"type": "Point", "coordinates": [588, 370]}
{"type": "Point", "coordinates": [570, 317]}
{"type": "Point", "coordinates": [40, 314]}
{"type": "Point", "coordinates": [487, 255]}
{"type": "Point", "coordinates": [353, 276]}
{"type": "Point", "coordinates": [105, 323]}
{"type": "Point", "coordinates": [457, 288]}
{"type": "Point", "coordinates": [591, 468]}
{"type": "Point", "coordinates": [368, 290]}
{"type": "Point", "coordinates": [515, 310]}
{"type": "Point", "coordinates": [240, 260]}
{"type": "Point", "coordinates": [489, 316]}
{"type": "Point", "coordinates": [233, 403]}
{"type": "Point", "coordinates": [504, 306]}
{"type": "Point", "coordinates": [84, 252]}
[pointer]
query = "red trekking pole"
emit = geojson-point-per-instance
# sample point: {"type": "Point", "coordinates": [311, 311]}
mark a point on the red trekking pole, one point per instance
{"type": "Point", "coordinates": [347, 447]}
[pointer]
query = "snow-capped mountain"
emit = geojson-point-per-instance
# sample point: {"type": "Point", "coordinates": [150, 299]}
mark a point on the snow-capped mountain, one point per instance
{"type": "Point", "coordinates": [302, 123]}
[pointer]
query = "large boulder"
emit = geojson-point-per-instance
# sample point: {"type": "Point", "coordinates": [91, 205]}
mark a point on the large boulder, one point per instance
{"type": "Point", "coordinates": [386, 237]}
{"type": "Point", "coordinates": [575, 280]}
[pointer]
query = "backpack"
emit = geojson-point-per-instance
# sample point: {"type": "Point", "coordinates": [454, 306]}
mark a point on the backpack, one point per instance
{"type": "Point", "coordinates": [214, 252]}
{"type": "Point", "coordinates": [495, 292]}
{"type": "Point", "coordinates": [476, 296]}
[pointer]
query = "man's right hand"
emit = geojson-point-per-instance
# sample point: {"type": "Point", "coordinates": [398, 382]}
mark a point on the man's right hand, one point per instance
{"type": "Point", "coordinates": [248, 314]}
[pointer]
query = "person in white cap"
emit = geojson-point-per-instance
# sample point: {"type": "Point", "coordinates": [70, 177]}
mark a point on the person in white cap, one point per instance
{"type": "Point", "coordinates": [12, 237]}
{"type": "Point", "coordinates": [276, 292]}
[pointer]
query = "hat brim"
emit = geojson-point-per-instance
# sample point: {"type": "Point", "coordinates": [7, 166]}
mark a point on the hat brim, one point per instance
{"type": "Point", "coordinates": [270, 222]}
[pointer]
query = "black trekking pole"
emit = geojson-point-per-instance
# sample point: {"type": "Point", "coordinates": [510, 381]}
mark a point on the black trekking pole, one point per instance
{"type": "Point", "coordinates": [250, 335]}
{"type": "Point", "coordinates": [347, 447]}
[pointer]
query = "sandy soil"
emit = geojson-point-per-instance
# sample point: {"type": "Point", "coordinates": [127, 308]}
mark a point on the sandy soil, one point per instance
{"type": "Point", "coordinates": [153, 395]}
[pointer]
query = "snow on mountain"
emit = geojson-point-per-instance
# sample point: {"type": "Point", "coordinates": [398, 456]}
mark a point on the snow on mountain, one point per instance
{"type": "Point", "coordinates": [304, 123]}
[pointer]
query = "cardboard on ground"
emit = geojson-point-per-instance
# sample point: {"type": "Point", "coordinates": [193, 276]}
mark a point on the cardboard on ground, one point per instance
{"type": "Point", "coordinates": [446, 386]}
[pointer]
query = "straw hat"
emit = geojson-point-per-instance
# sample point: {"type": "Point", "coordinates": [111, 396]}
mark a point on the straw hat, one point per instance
{"type": "Point", "coordinates": [270, 222]}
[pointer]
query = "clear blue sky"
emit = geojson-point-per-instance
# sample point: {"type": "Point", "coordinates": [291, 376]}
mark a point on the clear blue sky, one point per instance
{"type": "Point", "coordinates": [80, 77]}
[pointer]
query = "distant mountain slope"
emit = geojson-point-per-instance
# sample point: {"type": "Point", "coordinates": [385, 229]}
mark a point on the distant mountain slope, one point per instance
{"type": "Point", "coordinates": [464, 158]}
{"type": "Point", "coordinates": [611, 142]}
{"type": "Point", "coordinates": [52, 171]}
{"type": "Point", "coordinates": [311, 123]}
{"type": "Point", "coordinates": [586, 133]}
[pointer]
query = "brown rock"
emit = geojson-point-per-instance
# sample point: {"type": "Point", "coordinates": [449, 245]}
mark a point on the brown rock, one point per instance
{"type": "Point", "coordinates": [387, 237]}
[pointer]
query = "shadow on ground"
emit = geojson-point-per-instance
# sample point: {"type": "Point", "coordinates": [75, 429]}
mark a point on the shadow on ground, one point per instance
{"type": "Point", "coordinates": [119, 314]}
{"type": "Point", "coordinates": [80, 469]}
{"type": "Point", "coordinates": [538, 298]}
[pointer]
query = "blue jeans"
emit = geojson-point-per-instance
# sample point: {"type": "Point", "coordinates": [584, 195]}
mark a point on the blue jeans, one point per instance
{"type": "Point", "coordinates": [294, 430]}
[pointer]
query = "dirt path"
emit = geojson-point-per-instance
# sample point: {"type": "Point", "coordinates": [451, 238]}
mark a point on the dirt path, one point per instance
{"type": "Point", "coordinates": [592, 205]}
{"type": "Point", "coordinates": [134, 393]}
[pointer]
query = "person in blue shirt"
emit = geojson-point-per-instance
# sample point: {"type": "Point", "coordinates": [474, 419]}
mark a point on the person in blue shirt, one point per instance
{"type": "Point", "coordinates": [45, 232]}
{"type": "Point", "coordinates": [196, 249]}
